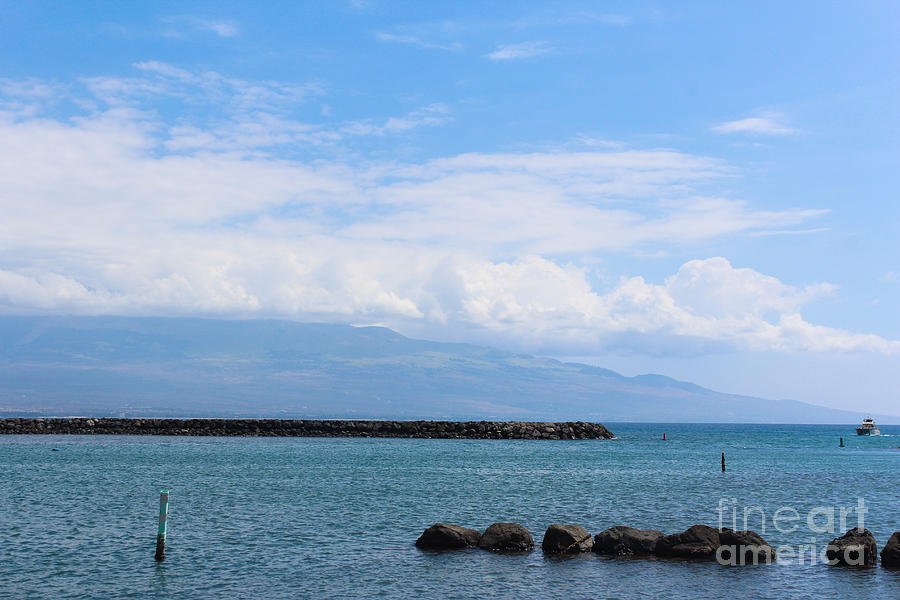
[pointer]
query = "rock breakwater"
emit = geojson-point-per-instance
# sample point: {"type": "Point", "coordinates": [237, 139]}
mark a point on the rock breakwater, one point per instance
{"type": "Point", "coordinates": [509, 430]}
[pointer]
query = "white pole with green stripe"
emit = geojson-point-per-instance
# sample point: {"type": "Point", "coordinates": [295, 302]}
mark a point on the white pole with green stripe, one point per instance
{"type": "Point", "coordinates": [161, 532]}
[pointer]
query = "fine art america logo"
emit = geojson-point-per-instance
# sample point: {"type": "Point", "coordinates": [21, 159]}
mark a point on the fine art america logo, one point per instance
{"type": "Point", "coordinates": [825, 521]}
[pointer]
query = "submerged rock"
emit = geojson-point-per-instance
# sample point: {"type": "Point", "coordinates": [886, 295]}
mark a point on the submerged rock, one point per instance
{"type": "Point", "coordinates": [566, 539]}
{"type": "Point", "coordinates": [853, 549]}
{"type": "Point", "coordinates": [441, 536]}
{"type": "Point", "coordinates": [699, 541]}
{"type": "Point", "coordinates": [743, 548]}
{"type": "Point", "coordinates": [627, 541]}
{"type": "Point", "coordinates": [506, 537]}
{"type": "Point", "coordinates": [890, 554]}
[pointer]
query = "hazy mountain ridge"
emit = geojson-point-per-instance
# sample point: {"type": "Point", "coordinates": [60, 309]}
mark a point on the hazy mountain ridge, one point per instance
{"type": "Point", "coordinates": [206, 367]}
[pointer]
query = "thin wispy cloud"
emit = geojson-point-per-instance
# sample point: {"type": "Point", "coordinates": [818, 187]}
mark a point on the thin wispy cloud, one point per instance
{"type": "Point", "coordinates": [416, 41]}
{"type": "Point", "coordinates": [221, 28]}
{"type": "Point", "coordinates": [240, 116]}
{"type": "Point", "coordinates": [437, 36]}
{"type": "Point", "coordinates": [431, 115]}
{"type": "Point", "coordinates": [520, 50]}
{"type": "Point", "coordinates": [181, 25]}
{"type": "Point", "coordinates": [765, 124]}
{"type": "Point", "coordinates": [548, 18]}
{"type": "Point", "coordinates": [614, 19]}
{"type": "Point", "coordinates": [792, 231]}
{"type": "Point", "coordinates": [158, 79]}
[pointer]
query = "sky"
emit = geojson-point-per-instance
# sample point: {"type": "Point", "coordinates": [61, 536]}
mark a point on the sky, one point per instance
{"type": "Point", "coordinates": [705, 190]}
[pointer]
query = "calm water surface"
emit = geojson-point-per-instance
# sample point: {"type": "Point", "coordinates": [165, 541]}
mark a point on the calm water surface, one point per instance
{"type": "Point", "coordinates": [337, 518]}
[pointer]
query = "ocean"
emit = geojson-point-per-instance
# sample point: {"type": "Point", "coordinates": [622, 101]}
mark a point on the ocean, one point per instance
{"type": "Point", "coordinates": [337, 517]}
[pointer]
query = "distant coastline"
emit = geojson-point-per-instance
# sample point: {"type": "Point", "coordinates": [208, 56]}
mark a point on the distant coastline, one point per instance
{"type": "Point", "coordinates": [521, 430]}
{"type": "Point", "coordinates": [142, 367]}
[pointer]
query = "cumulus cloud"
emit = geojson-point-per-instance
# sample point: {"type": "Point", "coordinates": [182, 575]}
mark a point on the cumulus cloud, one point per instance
{"type": "Point", "coordinates": [117, 211]}
{"type": "Point", "coordinates": [520, 50]}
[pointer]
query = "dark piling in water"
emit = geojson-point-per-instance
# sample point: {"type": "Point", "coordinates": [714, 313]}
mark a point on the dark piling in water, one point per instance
{"type": "Point", "coordinates": [723, 462]}
{"type": "Point", "coordinates": [161, 532]}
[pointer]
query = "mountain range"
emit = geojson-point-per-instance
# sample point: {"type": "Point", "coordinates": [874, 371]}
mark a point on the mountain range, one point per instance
{"type": "Point", "coordinates": [191, 367]}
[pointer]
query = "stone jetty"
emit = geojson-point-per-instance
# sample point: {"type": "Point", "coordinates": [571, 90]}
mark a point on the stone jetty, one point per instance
{"type": "Point", "coordinates": [699, 542]}
{"type": "Point", "coordinates": [501, 430]}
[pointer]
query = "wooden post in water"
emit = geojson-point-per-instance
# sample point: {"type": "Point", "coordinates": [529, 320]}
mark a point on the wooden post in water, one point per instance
{"type": "Point", "coordinates": [842, 443]}
{"type": "Point", "coordinates": [723, 462]}
{"type": "Point", "coordinates": [161, 532]}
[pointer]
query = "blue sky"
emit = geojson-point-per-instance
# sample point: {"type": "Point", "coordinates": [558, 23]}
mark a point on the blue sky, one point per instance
{"type": "Point", "coordinates": [702, 189]}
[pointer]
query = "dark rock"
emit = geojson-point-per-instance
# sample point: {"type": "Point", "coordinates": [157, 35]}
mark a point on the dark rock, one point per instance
{"type": "Point", "coordinates": [699, 541]}
{"type": "Point", "coordinates": [307, 427]}
{"type": "Point", "coordinates": [448, 537]}
{"type": "Point", "coordinates": [566, 539]}
{"type": "Point", "coordinates": [890, 554]}
{"type": "Point", "coordinates": [855, 548]}
{"type": "Point", "coordinates": [743, 548]}
{"type": "Point", "coordinates": [627, 541]}
{"type": "Point", "coordinates": [506, 537]}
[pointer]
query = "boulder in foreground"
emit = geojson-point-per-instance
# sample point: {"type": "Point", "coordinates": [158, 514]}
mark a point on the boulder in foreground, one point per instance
{"type": "Point", "coordinates": [853, 549]}
{"type": "Point", "coordinates": [627, 541]}
{"type": "Point", "coordinates": [699, 541]}
{"type": "Point", "coordinates": [743, 548]}
{"type": "Point", "coordinates": [890, 554]}
{"type": "Point", "coordinates": [441, 536]}
{"type": "Point", "coordinates": [566, 539]}
{"type": "Point", "coordinates": [506, 537]}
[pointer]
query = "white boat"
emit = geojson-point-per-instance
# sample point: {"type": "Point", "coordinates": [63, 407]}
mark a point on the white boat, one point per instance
{"type": "Point", "coordinates": [868, 427]}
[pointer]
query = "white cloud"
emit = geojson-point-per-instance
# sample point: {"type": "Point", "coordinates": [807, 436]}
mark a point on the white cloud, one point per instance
{"type": "Point", "coordinates": [547, 18]}
{"type": "Point", "coordinates": [811, 231]}
{"type": "Point", "coordinates": [438, 35]}
{"type": "Point", "coordinates": [714, 288]}
{"type": "Point", "coordinates": [238, 115]}
{"type": "Point", "coordinates": [400, 38]}
{"type": "Point", "coordinates": [615, 19]}
{"type": "Point", "coordinates": [120, 212]}
{"type": "Point", "coordinates": [221, 28]}
{"type": "Point", "coordinates": [765, 124]}
{"type": "Point", "coordinates": [521, 50]}
{"type": "Point", "coordinates": [179, 26]}
{"type": "Point", "coordinates": [706, 303]}
{"type": "Point", "coordinates": [431, 115]}
{"type": "Point", "coordinates": [28, 98]}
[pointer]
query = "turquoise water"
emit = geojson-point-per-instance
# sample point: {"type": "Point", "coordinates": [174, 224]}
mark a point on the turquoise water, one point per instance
{"type": "Point", "coordinates": [337, 518]}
